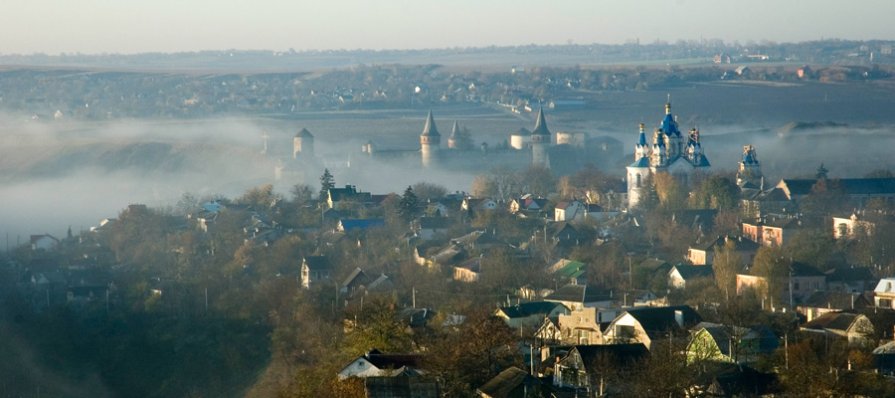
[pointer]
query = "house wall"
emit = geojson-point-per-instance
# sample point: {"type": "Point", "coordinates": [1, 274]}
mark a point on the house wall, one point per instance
{"type": "Point", "coordinates": [626, 329]}
{"type": "Point", "coordinates": [698, 256]}
{"type": "Point", "coordinates": [580, 327]}
{"type": "Point", "coordinates": [359, 368]}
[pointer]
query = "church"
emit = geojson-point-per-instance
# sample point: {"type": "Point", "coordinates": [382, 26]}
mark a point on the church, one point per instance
{"type": "Point", "coordinates": [666, 152]}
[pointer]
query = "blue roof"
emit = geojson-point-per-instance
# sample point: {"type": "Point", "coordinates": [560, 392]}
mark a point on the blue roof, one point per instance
{"type": "Point", "coordinates": [642, 162]}
{"type": "Point", "coordinates": [642, 140]}
{"type": "Point", "coordinates": [352, 224]}
{"type": "Point", "coordinates": [669, 126]}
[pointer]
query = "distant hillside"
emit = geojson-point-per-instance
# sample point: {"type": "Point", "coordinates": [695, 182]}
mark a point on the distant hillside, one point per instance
{"type": "Point", "coordinates": [138, 158]}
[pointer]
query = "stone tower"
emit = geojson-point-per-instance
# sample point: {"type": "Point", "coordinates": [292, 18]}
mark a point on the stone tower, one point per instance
{"type": "Point", "coordinates": [540, 142]}
{"type": "Point", "coordinates": [749, 172]}
{"type": "Point", "coordinates": [303, 144]}
{"type": "Point", "coordinates": [455, 135]}
{"type": "Point", "coordinates": [430, 142]}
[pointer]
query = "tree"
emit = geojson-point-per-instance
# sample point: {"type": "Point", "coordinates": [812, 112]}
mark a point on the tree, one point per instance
{"type": "Point", "coordinates": [426, 191]}
{"type": "Point", "coordinates": [467, 358]}
{"type": "Point", "coordinates": [671, 193]}
{"type": "Point", "coordinates": [715, 192]}
{"type": "Point", "coordinates": [483, 187]}
{"type": "Point", "coordinates": [261, 197]}
{"type": "Point", "coordinates": [301, 194]}
{"type": "Point", "coordinates": [377, 326]}
{"type": "Point", "coordinates": [326, 183]}
{"type": "Point", "coordinates": [538, 180]}
{"type": "Point", "coordinates": [769, 264]}
{"type": "Point", "coordinates": [726, 265]}
{"type": "Point", "coordinates": [409, 205]}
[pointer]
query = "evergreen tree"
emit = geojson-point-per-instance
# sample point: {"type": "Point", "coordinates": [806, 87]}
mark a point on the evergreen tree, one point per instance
{"type": "Point", "coordinates": [326, 183]}
{"type": "Point", "coordinates": [407, 208]}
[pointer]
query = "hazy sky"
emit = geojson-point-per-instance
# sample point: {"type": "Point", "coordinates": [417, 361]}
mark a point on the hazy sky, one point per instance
{"type": "Point", "coordinates": [130, 26]}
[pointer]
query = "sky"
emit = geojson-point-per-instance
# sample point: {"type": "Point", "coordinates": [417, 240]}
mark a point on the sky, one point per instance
{"type": "Point", "coordinates": [135, 26]}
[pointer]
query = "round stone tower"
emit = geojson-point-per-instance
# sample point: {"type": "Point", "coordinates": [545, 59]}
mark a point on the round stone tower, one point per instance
{"type": "Point", "coordinates": [430, 142]}
{"type": "Point", "coordinates": [540, 142]}
{"type": "Point", "coordinates": [303, 144]}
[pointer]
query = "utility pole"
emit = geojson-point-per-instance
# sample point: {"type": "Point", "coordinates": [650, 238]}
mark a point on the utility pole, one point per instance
{"type": "Point", "coordinates": [413, 296]}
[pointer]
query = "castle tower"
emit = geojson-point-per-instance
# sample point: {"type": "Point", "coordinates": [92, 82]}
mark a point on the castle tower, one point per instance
{"type": "Point", "coordinates": [540, 142]}
{"type": "Point", "coordinates": [303, 144]}
{"type": "Point", "coordinates": [638, 171]}
{"type": "Point", "coordinates": [430, 142]}
{"type": "Point", "coordinates": [749, 171]}
{"type": "Point", "coordinates": [455, 135]}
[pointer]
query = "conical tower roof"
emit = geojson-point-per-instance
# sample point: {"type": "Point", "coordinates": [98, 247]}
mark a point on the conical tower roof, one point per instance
{"type": "Point", "coordinates": [430, 130]}
{"type": "Point", "coordinates": [455, 130]}
{"type": "Point", "coordinates": [304, 133]}
{"type": "Point", "coordinates": [540, 124]}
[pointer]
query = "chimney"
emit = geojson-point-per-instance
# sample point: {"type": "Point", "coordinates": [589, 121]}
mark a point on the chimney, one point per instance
{"type": "Point", "coordinates": [679, 317]}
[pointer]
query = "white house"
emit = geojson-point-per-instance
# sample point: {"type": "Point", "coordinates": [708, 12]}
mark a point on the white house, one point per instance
{"type": "Point", "coordinates": [884, 293]}
{"type": "Point", "coordinates": [375, 363]}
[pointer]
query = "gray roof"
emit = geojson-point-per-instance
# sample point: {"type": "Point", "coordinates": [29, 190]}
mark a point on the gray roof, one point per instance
{"type": "Point", "coordinates": [507, 381]}
{"type": "Point", "coordinates": [832, 321]}
{"type": "Point", "coordinates": [304, 133]}
{"type": "Point", "coordinates": [849, 186]}
{"type": "Point", "coordinates": [540, 124]}
{"type": "Point", "coordinates": [430, 130]}
{"type": "Point", "coordinates": [455, 129]}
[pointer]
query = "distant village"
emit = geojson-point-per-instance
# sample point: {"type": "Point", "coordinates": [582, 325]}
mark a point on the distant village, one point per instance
{"type": "Point", "coordinates": [675, 281]}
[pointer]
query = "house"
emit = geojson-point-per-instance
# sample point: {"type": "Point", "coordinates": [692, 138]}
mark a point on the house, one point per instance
{"type": "Point", "coordinates": [429, 227]}
{"type": "Point", "coordinates": [884, 358]}
{"type": "Point", "coordinates": [580, 296]}
{"type": "Point", "coordinates": [376, 363]}
{"type": "Point", "coordinates": [734, 344]}
{"type": "Point", "coordinates": [857, 190]}
{"type": "Point", "coordinates": [337, 196]}
{"type": "Point", "coordinates": [469, 270]}
{"type": "Point", "coordinates": [823, 302]}
{"type": "Point", "coordinates": [681, 274]}
{"type": "Point", "coordinates": [529, 314]}
{"type": "Point", "coordinates": [859, 224]}
{"type": "Point", "coordinates": [403, 383]}
{"type": "Point", "coordinates": [578, 327]}
{"type": "Point", "coordinates": [565, 236]}
{"type": "Point", "coordinates": [850, 279]}
{"type": "Point", "coordinates": [510, 383]}
{"type": "Point", "coordinates": [315, 269]}
{"type": "Point", "coordinates": [357, 279]}
{"type": "Point", "coordinates": [570, 271]}
{"type": "Point", "coordinates": [568, 211]}
{"type": "Point", "coordinates": [528, 203]}
{"type": "Point", "coordinates": [884, 293]}
{"type": "Point", "coordinates": [704, 254]}
{"type": "Point", "coordinates": [479, 240]}
{"type": "Point", "coordinates": [730, 380]}
{"type": "Point", "coordinates": [579, 211]}
{"type": "Point", "coordinates": [43, 242]}
{"type": "Point", "coordinates": [351, 224]}
{"type": "Point", "coordinates": [770, 231]}
{"type": "Point", "coordinates": [855, 328]}
{"type": "Point", "coordinates": [580, 367]}
{"type": "Point", "coordinates": [645, 324]}
{"type": "Point", "coordinates": [472, 205]}
{"type": "Point", "coordinates": [802, 282]}
{"type": "Point", "coordinates": [759, 203]}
